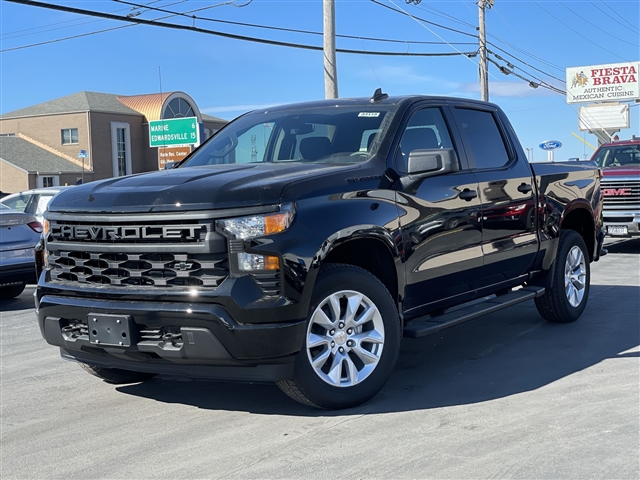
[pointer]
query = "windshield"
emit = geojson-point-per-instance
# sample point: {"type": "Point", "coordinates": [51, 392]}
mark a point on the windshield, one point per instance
{"type": "Point", "coordinates": [321, 135]}
{"type": "Point", "coordinates": [618, 156]}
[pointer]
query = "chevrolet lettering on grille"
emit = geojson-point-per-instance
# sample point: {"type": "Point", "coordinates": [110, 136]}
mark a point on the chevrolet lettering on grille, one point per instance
{"type": "Point", "coordinates": [70, 232]}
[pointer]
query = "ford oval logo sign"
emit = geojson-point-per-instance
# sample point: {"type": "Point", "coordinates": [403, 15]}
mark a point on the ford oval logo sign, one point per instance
{"type": "Point", "coordinates": [550, 145]}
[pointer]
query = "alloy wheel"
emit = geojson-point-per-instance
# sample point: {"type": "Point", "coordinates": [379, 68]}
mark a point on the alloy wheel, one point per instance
{"type": "Point", "coordinates": [345, 338]}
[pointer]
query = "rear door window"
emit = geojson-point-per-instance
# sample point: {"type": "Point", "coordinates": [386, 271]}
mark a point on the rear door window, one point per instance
{"type": "Point", "coordinates": [483, 137]}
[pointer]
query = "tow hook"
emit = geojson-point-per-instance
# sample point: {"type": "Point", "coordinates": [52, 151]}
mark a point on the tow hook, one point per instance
{"type": "Point", "coordinates": [171, 337]}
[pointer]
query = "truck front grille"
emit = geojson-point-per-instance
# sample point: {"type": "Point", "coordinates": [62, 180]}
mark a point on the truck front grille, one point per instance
{"type": "Point", "coordinates": [148, 269]}
{"type": "Point", "coordinates": [145, 252]}
{"type": "Point", "coordinates": [621, 193]}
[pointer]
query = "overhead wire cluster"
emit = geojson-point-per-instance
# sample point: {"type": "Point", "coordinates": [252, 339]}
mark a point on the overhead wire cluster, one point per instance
{"type": "Point", "coordinates": [134, 19]}
{"type": "Point", "coordinates": [505, 69]}
{"type": "Point", "coordinates": [513, 65]}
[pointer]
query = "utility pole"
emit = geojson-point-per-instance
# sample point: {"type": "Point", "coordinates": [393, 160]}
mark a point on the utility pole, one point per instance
{"type": "Point", "coordinates": [329, 50]}
{"type": "Point", "coordinates": [484, 80]}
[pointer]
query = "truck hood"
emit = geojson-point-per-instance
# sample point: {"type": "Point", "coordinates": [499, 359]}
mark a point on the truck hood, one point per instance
{"type": "Point", "coordinates": [627, 171]}
{"type": "Point", "coordinates": [191, 188]}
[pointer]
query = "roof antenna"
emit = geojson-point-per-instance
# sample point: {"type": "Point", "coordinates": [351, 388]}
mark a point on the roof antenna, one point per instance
{"type": "Point", "coordinates": [378, 96]}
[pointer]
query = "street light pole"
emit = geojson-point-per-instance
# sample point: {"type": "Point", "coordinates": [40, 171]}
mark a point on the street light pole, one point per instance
{"type": "Point", "coordinates": [329, 50]}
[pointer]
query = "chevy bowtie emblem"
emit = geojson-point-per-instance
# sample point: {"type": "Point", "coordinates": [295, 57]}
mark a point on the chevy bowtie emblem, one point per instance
{"type": "Point", "coordinates": [182, 266]}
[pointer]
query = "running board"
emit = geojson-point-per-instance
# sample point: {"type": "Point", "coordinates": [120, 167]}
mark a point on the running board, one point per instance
{"type": "Point", "coordinates": [429, 325]}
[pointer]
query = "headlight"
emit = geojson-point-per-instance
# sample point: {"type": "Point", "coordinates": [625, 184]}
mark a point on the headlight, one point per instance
{"type": "Point", "coordinates": [243, 228]}
{"type": "Point", "coordinates": [258, 225]}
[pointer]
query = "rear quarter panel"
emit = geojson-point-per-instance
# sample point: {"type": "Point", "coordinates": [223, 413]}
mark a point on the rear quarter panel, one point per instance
{"type": "Point", "coordinates": [562, 189]}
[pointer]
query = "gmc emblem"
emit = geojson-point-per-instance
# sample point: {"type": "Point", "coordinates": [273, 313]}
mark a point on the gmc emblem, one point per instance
{"type": "Point", "coordinates": [612, 192]}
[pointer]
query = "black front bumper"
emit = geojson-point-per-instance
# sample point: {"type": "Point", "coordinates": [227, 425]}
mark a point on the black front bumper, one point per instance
{"type": "Point", "coordinates": [174, 338]}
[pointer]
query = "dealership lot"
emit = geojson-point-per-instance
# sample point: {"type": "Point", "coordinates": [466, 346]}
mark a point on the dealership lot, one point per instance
{"type": "Point", "coordinates": [507, 395]}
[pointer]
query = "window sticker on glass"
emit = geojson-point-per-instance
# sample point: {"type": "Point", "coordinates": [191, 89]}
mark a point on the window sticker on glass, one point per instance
{"type": "Point", "coordinates": [369, 114]}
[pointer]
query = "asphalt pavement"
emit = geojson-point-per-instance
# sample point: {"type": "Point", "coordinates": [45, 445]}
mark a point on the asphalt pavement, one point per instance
{"type": "Point", "coordinates": [504, 396]}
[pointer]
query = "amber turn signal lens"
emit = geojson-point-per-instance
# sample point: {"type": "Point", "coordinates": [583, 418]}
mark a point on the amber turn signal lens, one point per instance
{"type": "Point", "coordinates": [271, 263]}
{"type": "Point", "coordinates": [276, 223]}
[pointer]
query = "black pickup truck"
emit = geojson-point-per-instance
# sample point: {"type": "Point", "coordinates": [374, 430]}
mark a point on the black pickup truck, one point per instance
{"type": "Point", "coordinates": [301, 242]}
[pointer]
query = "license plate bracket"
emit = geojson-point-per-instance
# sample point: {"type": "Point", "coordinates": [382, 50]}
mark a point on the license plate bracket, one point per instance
{"type": "Point", "coordinates": [110, 330]}
{"type": "Point", "coordinates": [617, 230]}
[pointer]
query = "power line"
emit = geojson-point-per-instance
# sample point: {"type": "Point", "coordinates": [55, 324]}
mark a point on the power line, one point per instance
{"type": "Point", "coordinates": [10, 35]}
{"type": "Point", "coordinates": [624, 19]}
{"type": "Point", "coordinates": [510, 70]}
{"type": "Point", "coordinates": [524, 52]}
{"type": "Point", "coordinates": [497, 12]}
{"type": "Point", "coordinates": [63, 39]}
{"type": "Point", "coordinates": [522, 61]}
{"type": "Point", "coordinates": [490, 43]}
{"type": "Point", "coordinates": [213, 32]}
{"type": "Point", "coordinates": [423, 20]}
{"type": "Point", "coordinates": [577, 32]}
{"type": "Point", "coordinates": [293, 30]}
{"type": "Point", "coordinates": [617, 21]}
{"type": "Point", "coordinates": [597, 27]}
{"type": "Point", "coordinates": [475, 36]}
{"type": "Point", "coordinates": [440, 13]}
{"type": "Point", "coordinates": [518, 49]}
{"type": "Point", "coordinates": [543, 84]}
{"type": "Point", "coordinates": [502, 68]}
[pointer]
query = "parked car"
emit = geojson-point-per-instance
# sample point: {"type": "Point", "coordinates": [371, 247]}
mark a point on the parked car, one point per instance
{"type": "Point", "coordinates": [19, 234]}
{"type": "Point", "coordinates": [32, 201]}
{"type": "Point", "coordinates": [620, 164]}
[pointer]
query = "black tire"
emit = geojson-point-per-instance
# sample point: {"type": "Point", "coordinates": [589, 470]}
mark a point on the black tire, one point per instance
{"type": "Point", "coordinates": [12, 292]}
{"type": "Point", "coordinates": [307, 386]}
{"type": "Point", "coordinates": [117, 376]}
{"type": "Point", "coordinates": [554, 305]}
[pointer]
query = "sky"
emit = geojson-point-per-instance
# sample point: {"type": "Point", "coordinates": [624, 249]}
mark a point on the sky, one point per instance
{"type": "Point", "coordinates": [227, 77]}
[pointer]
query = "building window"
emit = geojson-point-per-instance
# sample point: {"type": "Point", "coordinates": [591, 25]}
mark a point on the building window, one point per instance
{"type": "Point", "coordinates": [120, 149]}
{"type": "Point", "coordinates": [7, 134]}
{"type": "Point", "coordinates": [121, 152]}
{"type": "Point", "coordinates": [69, 136]}
{"type": "Point", "coordinates": [178, 108]}
{"type": "Point", "coordinates": [48, 181]}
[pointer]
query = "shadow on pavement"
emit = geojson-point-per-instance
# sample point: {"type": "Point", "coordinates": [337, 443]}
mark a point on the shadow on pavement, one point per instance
{"type": "Point", "coordinates": [623, 246]}
{"type": "Point", "coordinates": [21, 302]}
{"type": "Point", "coordinates": [510, 352]}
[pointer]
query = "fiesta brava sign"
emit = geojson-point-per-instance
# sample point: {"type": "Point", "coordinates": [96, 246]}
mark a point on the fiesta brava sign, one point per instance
{"type": "Point", "coordinates": [603, 83]}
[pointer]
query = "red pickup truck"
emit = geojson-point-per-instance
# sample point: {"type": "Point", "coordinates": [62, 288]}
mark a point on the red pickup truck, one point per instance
{"type": "Point", "coordinates": [620, 164]}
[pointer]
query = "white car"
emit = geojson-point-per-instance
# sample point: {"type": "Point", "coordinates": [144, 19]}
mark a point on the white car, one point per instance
{"type": "Point", "coordinates": [19, 234]}
{"type": "Point", "coordinates": [33, 201]}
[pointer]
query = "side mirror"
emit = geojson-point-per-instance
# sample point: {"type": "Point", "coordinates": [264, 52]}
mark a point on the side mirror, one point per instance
{"type": "Point", "coordinates": [169, 165]}
{"type": "Point", "coordinates": [431, 162]}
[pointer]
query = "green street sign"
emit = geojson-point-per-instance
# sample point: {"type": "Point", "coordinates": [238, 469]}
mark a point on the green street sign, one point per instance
{"type": "Point", "coordinates": [175, 131]}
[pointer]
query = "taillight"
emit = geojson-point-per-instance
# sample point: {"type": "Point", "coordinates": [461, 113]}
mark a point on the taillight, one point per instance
{"type": "Point", "coordinates": [35, 226]}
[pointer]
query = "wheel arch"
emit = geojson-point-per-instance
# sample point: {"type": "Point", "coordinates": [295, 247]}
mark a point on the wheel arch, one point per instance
{"type": "Point", "coordinates": [580, 219]}
{"type": "Point", "coordinates": [371, 253]}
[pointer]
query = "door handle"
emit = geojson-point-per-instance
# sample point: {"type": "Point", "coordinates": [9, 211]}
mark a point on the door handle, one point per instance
{"type": "Point", "coordinates": [524, 188]}
{"type": "Point", "coordinates": [468, 195]}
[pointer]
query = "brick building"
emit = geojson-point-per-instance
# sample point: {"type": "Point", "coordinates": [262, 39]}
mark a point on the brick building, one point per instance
{"type": "Point", "coordinates": [40, 145]}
